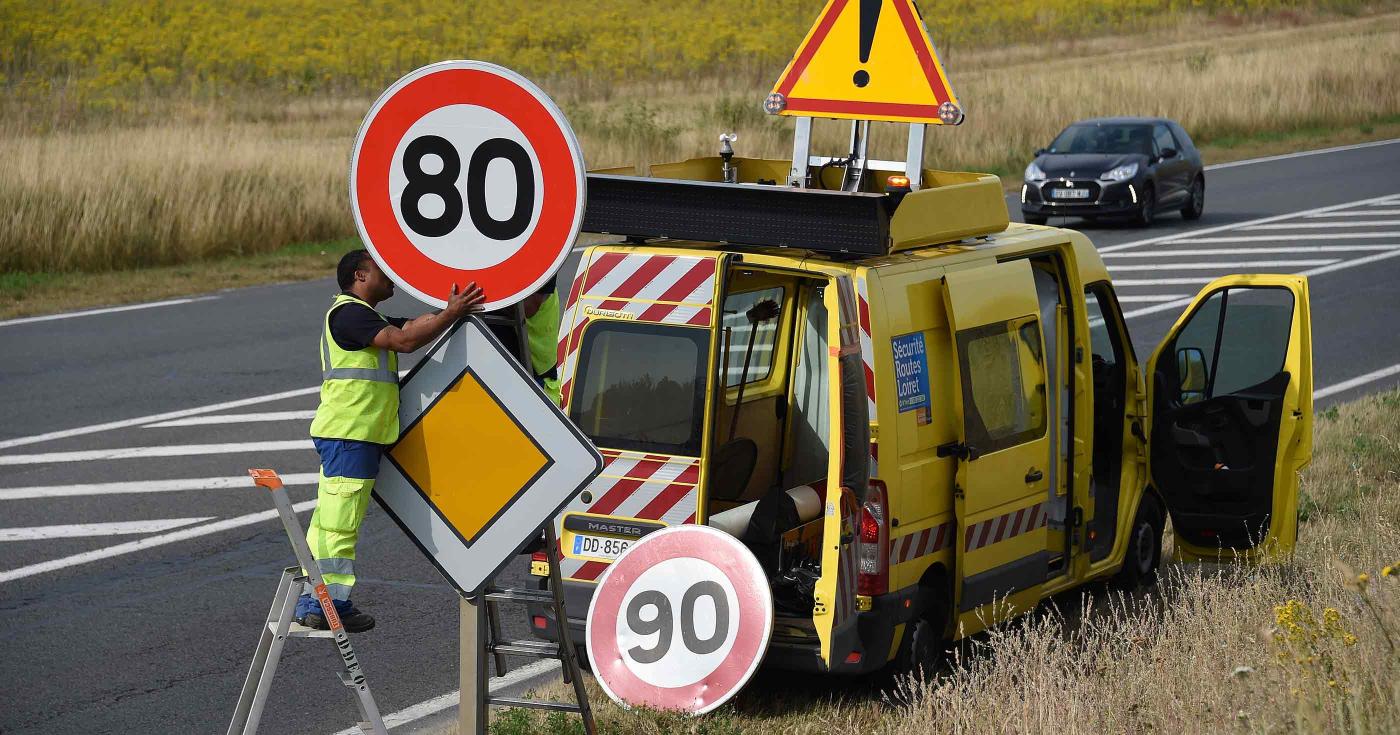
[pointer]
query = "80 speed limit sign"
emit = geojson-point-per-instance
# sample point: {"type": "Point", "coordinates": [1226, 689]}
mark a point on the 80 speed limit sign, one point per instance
{"type": "Point", "coordinates": [680, 621]}
{"type": "Point", "coordinates": [466, 171]}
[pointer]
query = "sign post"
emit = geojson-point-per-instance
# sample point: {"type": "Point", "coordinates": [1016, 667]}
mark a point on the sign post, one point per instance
{"type": "Point", "coordinates": [680, 621]}
{"type": "Point", "coordinates": [462, 172]}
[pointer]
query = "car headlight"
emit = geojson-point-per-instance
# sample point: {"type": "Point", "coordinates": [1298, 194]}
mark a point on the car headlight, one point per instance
{"type": "Point", "coordinates": [1033, 173]}
{"type": "Point", "coordinates": [1122, 173]}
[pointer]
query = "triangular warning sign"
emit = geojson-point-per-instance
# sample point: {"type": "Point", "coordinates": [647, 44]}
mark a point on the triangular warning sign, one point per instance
{"type": "Point", "coordinates": [867, 60]}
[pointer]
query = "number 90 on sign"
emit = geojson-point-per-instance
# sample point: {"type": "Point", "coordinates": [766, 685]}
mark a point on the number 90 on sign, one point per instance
{"type": "Point", "coordinates": [465, 186]}
{"type": "Point", "coordinates": [678, 621]}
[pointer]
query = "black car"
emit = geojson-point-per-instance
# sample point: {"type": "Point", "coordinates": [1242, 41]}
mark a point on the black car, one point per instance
{"type": "Point", "coordinates": [1133, 166]}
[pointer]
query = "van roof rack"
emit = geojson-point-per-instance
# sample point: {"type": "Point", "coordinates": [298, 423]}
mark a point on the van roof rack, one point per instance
{"type": "Point", "coordinates": [690, 201]}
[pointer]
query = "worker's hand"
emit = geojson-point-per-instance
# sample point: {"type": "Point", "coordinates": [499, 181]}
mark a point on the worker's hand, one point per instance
{"type": "Point", "coordinates": [470, 300]}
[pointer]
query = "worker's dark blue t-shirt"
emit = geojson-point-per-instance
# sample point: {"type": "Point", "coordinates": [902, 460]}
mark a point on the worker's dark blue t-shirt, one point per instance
{"type": "Point", "coordinates": [353, 326]}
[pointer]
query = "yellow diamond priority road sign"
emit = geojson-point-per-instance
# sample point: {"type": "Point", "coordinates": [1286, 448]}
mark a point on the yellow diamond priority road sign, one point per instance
{"type": "Point", "coordinates": [483, 458]}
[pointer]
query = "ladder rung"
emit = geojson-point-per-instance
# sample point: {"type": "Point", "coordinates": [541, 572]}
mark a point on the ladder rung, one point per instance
{"type": "Point", "coordinates": [520, 596]}
{"type": "Point", "coordinates": [526, 648]}
{"type": "Point", "coordinates": [297, 630]}
{"type": "Point", "coordinates": [534, 704]}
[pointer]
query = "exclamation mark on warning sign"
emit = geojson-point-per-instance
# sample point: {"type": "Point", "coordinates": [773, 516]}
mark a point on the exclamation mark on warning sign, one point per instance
{"type": "Point", "coordinates": [869, 17]}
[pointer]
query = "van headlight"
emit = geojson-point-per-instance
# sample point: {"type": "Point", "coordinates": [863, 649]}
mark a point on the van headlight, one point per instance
{"type": "Point", "coordinates": [1122, 173]}
{"type": "Point", "coordinates": [1033, 173]}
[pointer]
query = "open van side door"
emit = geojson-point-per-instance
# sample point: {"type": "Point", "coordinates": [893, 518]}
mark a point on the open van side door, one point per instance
{"type": "Point", "coordinates": [848, 473]}
{"type": "Point", "coordinates": [1230, 416]}
{"type": "Point", "coordinates": [1004, 446]}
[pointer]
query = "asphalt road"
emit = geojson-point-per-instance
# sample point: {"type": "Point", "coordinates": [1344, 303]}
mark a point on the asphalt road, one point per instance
{"type": "Point", "coordinates": [149, 627]}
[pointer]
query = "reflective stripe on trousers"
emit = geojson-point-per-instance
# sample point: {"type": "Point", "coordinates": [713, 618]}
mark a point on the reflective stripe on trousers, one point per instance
{"type": "Point", "coordinates": [335, 527]}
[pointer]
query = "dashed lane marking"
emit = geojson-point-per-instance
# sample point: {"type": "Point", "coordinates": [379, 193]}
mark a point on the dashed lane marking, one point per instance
{"type": "Point", "coordinates": [108, 310]}
{"type": "Point", "coordinates": [130, 547]}
{"type": "Point", "coordinates": [146, 486]}
{"type": "Point", "coordinates": [453, 698]}
{"type": "Point", "coordinates": [236, 418]}
{"type": "Point", "coordinates": [1280, 250]}
{"type": "Point", "coordinates": [1322, 225]}
{"type": "Point", "coordinates": [1230, 265]}
{"type": "Point", "coordinates": [84, 530]}
{"type": "Point", "coordinates": [141, 420]}
{"type": "Point", "coordinates": [181, 450]}
{"type": "Point", "coordinates": [1236, 225]}
{"type": "Point", "coordinates": [1357, 382]}
{"type": "Point", "coordinates": [1275, 238]}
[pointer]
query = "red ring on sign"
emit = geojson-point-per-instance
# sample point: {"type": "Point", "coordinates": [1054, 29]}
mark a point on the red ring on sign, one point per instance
{"type": "Point", "coordinates": [560, 193]}
{"type": "Point", "coordinates": [750, 641]}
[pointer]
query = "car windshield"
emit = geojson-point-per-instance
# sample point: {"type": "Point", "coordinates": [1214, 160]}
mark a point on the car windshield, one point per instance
{"type": "Point", "coordinates": [642, 386]}
{"type": "Point", "coordinates": [1112, 139]}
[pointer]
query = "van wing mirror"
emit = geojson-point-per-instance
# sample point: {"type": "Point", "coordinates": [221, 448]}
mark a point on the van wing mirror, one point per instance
{"type": "Point", "coordinates": [1193, 373]}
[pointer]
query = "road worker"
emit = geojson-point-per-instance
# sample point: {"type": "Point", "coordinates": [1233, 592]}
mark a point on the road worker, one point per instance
{"type": "Point", "coordinates": [358, 417]}
{"type": "Point", "coordinates": [542, 315]}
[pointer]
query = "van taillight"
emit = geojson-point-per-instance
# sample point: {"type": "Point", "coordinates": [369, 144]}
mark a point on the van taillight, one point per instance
{"type": "Point", "coordinates": [873, 544]}
{"type": "Point", "coordinates": [539, 556]}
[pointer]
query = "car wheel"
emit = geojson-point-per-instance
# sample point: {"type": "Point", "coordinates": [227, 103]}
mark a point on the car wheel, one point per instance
{"type": "Point", "coordinates": [1144, 548]}
{"type": "Point", "coordinates": [1197, 203]}
{"type": "Point", "coordinates": [1034, 219]}
{"type": "Point", "coordinates": [925, 649]}
{"type": "Point", "coordinates": [1147, 208]}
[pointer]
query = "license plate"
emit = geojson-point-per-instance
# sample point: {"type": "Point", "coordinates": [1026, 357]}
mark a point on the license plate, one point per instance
{"type": "Point", "coordinates": [600, 547]}
{"type": "Point", "coordinates": [1069, 194]}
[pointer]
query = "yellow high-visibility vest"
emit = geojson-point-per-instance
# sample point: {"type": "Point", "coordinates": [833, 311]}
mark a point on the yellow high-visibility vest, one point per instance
{"type": "Point", "coordinates": [359, 389]}
{"type": "Point", "coordinates": [542, 330]}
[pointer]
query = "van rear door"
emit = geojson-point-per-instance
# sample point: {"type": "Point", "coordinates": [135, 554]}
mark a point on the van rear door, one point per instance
{"type": "Point", "coordinates": [636, 354]}
{"type": "Point", "coordinates": [1230, 416]}
{"type": "Point", "coordinates": [1004, 446]}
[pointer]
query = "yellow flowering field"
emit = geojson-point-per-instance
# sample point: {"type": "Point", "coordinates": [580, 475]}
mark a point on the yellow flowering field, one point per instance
{"type": "Point", "coordinates": [118, 47]}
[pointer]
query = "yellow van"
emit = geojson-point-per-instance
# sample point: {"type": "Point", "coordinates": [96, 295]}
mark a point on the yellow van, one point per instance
{"type": "Point", "coordinates": [921, 418]}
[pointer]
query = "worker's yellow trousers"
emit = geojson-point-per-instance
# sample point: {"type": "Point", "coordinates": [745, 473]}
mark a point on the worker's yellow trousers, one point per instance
{"type": "Point", "coordinates": [335, 527]}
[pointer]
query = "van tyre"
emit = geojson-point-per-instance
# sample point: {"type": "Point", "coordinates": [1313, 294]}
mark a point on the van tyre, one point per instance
{"type": "Point", "coordinates": [1144, 548]}
{"type": "Point", "coordinates": [1196, 204]}
{"type": "Point", "coordinates": [925, 645]}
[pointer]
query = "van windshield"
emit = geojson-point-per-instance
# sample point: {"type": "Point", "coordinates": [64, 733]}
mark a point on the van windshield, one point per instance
{"type": "Point", "coordinates": [642, 386]}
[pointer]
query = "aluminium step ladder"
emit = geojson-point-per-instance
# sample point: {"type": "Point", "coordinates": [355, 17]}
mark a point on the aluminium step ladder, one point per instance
{"type": "Point", "coordinates": [280, 626]}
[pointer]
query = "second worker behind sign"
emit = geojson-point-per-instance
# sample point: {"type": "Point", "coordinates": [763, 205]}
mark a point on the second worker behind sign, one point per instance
{"type": "Point", "coordinates": [359, 417]}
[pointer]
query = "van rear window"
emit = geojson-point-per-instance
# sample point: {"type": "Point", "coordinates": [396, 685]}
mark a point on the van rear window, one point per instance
{"type": "Point", "coordinates": [642, 386]}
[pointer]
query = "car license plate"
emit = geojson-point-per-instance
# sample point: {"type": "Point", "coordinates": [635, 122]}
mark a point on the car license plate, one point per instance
{"type": "Point", "coordinates": [1069, 194]}
{"type": "Point", "coordinates": [600, 547]}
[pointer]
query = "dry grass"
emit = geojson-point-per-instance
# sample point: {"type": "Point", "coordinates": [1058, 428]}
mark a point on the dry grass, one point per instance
{"type": "Point", "coordinates": [1299, 646]}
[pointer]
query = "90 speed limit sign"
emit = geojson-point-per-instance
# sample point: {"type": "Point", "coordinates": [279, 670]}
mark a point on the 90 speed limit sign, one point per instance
{"type": "Point", "coordinates": [466, 171]}
{"type": "Point", "coordinates": [680, 621]}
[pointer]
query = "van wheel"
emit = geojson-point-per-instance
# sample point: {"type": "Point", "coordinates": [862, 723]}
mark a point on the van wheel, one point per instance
{"type": "Point", "coordinates": [1144, 548]}
{"type": "Point", "coordinates": [925, 647]}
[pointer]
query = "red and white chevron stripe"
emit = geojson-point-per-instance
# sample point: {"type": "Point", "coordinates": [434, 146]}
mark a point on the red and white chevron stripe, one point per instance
{"type": "Point", "coordinates": [665, 289]}
{"type": "Point", "coordinates": [867, 356]}
{"type": "Point", "coordinates": [651, 487]}
{"type": "Point", "coordinates": [922, 543]}
{"type": "Point", "coordinates": [988, 532]}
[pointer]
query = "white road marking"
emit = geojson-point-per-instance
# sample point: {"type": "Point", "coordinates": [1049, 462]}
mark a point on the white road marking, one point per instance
{"type": "Point", "coordinates": [1321, 225]}
{"type": "Point", "coordinates": [1229, 265]}
{"type": "Point", "coordinates": [1313, 272]}
{"type": "Point", "coordinates": [1358, 213]}
{"type": "Point", "coordinates": [1236, 225]}
{"type": "Point", "coordinates": [1254, 251]}
{"type": "Point", "coordinates": [1358, 381]}
{"type": "Point", "coordinates": [1162, 281]}
{"type": "Point", "coordinates": [1122, 299]}
{"type": "Point", "coordinates": [1290, 237]}
{"type": "Point", "coordinates": [236, 418]}
{"type": "Point", "coordinates": [108, 310]}
{"type": "Point", "coordinates": [241, 482]}
{"type": "Point", "coordinates": [452, 698]}
{"type": "Point", "coordinates": [83, 530]}
{"type": "Point", "coordinates": [129, 547]}
{"type": "Point", "coordinates": [180, 450]}
{"type": "Point", "coordinates": [1301, 154]}
{"type": "Point", "coordinates": [141, 420]}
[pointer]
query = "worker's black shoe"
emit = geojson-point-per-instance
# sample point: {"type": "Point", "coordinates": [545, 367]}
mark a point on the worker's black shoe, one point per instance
{"type": "Point", "coordinates": [350, 616]}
